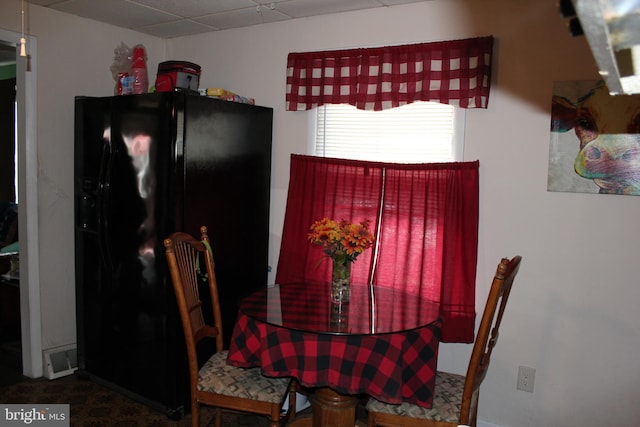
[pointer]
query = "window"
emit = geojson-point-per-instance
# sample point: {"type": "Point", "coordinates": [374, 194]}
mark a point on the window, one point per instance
{"type": "Point", "coordinates": [420, 132]}
{"type": "Point", "coordinates": [424, 215]}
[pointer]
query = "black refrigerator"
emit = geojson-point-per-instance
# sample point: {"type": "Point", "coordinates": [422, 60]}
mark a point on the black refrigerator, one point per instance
{"type": "Point", "coordinates": [146, 166]}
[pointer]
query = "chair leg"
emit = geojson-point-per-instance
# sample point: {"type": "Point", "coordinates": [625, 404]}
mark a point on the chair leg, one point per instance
{"type": "Point", "coordinates": [293, 389]}
{"type": "Point", "coordinates": [275, 415]}
{"type": "Point", "coordinates": [195, 414]}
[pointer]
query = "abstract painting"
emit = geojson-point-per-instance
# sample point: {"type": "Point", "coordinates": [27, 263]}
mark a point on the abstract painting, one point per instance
{"type": "Point", "coordinates": [595, 140]}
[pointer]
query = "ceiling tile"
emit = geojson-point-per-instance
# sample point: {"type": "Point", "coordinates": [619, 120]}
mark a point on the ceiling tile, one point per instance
{"type": "Point", "coordinates": [45, 2]}
{"type": "Point", "coordinates": [304, 8]}
{"type": "Point", "coordinates": [398, 2]}
{"type": "Point", "coordinates": [169, 30]}
{"type": "Point", "coordinates": [117, 12]}
{"type": "Point", "coordinates": [243, 18]}
{"type": "Point", "coordinates": [191, 8]}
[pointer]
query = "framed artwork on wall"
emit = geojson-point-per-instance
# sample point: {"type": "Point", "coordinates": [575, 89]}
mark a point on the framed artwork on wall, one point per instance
{"type": "Point", "coordinates": [595, 140]}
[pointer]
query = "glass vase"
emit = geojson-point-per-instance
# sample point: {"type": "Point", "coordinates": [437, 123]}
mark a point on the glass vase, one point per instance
{"type": "Point", "coordinates": [339, 321]}
{"type": "Point", "coordinates": [340, 282]}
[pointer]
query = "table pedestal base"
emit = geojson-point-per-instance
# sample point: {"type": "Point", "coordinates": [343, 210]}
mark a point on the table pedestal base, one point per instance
{"type": "Point", "coordinates": [329, 409]}
{"type": "Point", "coordinates": [333, 409]}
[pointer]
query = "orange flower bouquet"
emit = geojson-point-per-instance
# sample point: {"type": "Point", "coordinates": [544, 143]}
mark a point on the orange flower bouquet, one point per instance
{"type": "Point", "coordinates": [342, 242]}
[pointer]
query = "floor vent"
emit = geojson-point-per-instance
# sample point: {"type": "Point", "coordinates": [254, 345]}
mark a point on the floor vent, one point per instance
{"type": "Point", "coordinates": [60, 361]}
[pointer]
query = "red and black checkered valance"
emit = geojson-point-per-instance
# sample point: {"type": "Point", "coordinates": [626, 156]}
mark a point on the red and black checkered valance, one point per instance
{"type": "Point", "coordinates": [451, 72]}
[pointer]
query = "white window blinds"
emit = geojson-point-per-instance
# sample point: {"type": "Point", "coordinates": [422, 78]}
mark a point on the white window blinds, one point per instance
{"type": "Point", "coordinates": [420, 132]}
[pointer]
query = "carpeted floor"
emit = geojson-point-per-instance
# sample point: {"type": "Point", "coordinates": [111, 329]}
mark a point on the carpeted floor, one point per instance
{"type": "Point", "coordinates": [93, 405]}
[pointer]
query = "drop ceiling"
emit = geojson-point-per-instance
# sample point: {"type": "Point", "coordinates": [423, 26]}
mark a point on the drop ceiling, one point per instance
{"type": "Point", "coordinates": [177, 18]}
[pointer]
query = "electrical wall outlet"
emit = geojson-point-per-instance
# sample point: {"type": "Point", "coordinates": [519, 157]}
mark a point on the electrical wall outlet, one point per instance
{"type": "Point", "coordinates": [526, 377]}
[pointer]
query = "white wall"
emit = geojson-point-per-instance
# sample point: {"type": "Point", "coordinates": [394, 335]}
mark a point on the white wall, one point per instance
{"type": "Point", "coordinates": [572, 313]}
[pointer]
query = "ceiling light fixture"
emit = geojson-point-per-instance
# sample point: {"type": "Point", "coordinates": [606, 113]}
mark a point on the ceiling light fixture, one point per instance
{"type": "Point", "coordinates": [271, 6]}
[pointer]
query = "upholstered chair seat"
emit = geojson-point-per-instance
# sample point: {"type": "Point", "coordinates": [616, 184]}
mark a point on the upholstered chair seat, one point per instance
{"type": "Point", "coordinates": [216, 376]}
{"type": "Point", "coordinates": [446, 402]}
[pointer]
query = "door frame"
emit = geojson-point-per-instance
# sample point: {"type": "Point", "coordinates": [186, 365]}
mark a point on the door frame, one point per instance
{"type": "Point", "coordinates": [30, 312]}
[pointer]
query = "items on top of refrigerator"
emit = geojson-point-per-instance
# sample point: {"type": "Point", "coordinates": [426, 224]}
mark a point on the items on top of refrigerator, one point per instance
{"type": "Point", "coordinates": [129, 70]}
{"type": "Point", "coordinates": [139, 70]}
{"type": "Point", "coordinates": [226, 95]}
{"type": "Point", "coordinates": [120, 68]}
{"type": "Point", "coordinates": [177, 75]}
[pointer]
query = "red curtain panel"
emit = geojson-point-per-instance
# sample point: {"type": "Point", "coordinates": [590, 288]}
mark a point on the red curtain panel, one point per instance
{"type": "Point", "coordinates": [424, 216]}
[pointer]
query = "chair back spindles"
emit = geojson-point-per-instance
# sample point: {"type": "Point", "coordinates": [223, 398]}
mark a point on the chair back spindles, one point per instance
{"type": "Point", "coordinates": [487, 336]}
{"type": "Point", "coordinates": [215, 383]}
{"type": "Point", "coordinates": [194, 267]}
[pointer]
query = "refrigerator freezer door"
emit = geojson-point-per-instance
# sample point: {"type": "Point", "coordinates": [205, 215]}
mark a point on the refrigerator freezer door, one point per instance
{"type": "Point", "coordinates": [126, 314]}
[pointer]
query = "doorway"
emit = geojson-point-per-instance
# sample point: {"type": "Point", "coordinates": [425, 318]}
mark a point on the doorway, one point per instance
{"type": "Point", "coordinates": [10, 342]}
{"type": "Point", "coordinates": [29, 283]}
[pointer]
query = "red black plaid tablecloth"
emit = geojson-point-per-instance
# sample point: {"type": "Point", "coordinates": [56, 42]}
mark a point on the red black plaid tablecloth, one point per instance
{"type": "Point", "coordinates": [392, 367]}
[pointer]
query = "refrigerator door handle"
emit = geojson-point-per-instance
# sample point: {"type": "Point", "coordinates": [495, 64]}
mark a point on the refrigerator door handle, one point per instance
{"type": "Point", "coordinates": [106, 168]}
{"type": "Point", "coordinates": [86, 213]}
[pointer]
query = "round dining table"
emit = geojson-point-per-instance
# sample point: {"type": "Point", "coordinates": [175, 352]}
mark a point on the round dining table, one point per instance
{"type": "Point", "coordinates": [382, 343]}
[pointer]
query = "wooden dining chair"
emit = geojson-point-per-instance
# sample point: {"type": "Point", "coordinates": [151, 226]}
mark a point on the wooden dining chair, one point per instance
{"type": "Point", "coordinates": [455, 400]}
{"type": "Point", "coordinates": [216, 383]}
